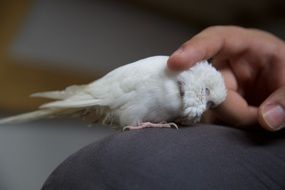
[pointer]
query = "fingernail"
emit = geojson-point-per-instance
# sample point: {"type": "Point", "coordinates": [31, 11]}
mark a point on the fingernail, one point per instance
{"type": "Point", "coordinates": [274, 116]}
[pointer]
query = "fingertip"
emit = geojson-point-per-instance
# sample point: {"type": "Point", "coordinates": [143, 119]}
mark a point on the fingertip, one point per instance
{"type": "Point", "coordinates": [177, 63]}
{"type": "Point", "coordinates": [271, 113]}
{"type": "Point", "coordinates": [262, 122]}
{"type": "Point", "coordinates": [272, 117]}
{"type": "Point", "coordinates": [183, 58]}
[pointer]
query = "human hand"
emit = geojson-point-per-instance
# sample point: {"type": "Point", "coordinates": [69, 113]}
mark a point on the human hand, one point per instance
{"type": "Point", "coordinates": [253, 65]}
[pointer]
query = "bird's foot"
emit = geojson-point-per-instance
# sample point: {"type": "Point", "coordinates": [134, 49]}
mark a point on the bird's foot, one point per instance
{"type": "Point", "coordinates": [151, 125]}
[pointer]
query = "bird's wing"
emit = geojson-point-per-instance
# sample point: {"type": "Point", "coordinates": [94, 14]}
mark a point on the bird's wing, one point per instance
{"type": "Point", "coordinates": [61, 94]}
{"type": "Point", "coordinates": [74, 96]}
{"type": "Point", "coordinates": [121, 84]}
{"type": "Point", "coordinates": [112, 90]}
{"type": "Point", "coordinates": [78, 101]}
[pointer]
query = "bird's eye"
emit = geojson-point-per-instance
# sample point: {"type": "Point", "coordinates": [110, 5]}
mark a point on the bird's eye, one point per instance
{"type": "Point", "coordinates": [207, 91]}
{"type": "Point", "coordinates": [210, 104]}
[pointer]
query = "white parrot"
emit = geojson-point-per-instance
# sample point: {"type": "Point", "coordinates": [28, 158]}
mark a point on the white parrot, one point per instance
{"type": "Point", "coordinates": [141, 94]}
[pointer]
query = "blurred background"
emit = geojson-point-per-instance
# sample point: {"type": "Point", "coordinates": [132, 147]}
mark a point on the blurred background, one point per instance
{"type": "Point", "coordinates": [50, 44]}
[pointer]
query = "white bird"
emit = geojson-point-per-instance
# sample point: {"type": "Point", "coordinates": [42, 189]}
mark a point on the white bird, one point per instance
{"type": "Point", "coordinates": [141, 94]}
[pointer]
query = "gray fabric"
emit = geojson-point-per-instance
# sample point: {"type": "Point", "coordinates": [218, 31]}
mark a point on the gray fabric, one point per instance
{"type": "Point", "coordinates": [199, 157]}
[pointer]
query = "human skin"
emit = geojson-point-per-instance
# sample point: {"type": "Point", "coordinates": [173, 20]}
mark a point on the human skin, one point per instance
{"type": "Point", "coordinates": [253, 65]}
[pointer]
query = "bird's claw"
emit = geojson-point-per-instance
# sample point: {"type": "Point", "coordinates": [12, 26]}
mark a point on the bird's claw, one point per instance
{"type": "Point", "coordinates": [173, 125]}
{"type": "Point", "coordinates": [127, 128]}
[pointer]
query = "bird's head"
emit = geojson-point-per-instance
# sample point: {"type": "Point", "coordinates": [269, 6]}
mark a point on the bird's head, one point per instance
{"type": "Point", "coordinates": [204, 88]}
{"type": "Point", "coordinates": [212, 84]}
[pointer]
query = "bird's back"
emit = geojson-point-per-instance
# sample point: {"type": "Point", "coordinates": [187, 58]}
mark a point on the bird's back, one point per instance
{"type": "Point", "coordinates": [127, 78]}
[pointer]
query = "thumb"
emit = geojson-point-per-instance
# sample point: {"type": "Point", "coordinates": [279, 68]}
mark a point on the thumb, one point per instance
{"type": "Point", "coordinates": [271, 113]}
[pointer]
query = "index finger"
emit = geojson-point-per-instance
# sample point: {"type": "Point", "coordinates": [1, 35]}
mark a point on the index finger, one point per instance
{"type": "Point", "coordinates": [205, 45]}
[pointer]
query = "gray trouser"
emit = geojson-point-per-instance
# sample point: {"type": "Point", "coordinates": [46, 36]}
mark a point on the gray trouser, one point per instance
{"type": "Point", "coordinates": [200, 157]}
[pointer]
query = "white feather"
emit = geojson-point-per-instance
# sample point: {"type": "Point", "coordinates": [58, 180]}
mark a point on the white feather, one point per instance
{"type": "Point", "coordinates": [38, 114]}
{"type": "Point", "coordinates": [63, 94]}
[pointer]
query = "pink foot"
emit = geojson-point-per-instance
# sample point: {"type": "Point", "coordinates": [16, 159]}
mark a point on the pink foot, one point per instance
{"type": "Point", "coordinates": [151, 125]}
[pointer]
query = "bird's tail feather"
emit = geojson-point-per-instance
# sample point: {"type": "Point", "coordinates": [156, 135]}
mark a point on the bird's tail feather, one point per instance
{"type": "Point", "coordinates": [30, 116]}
